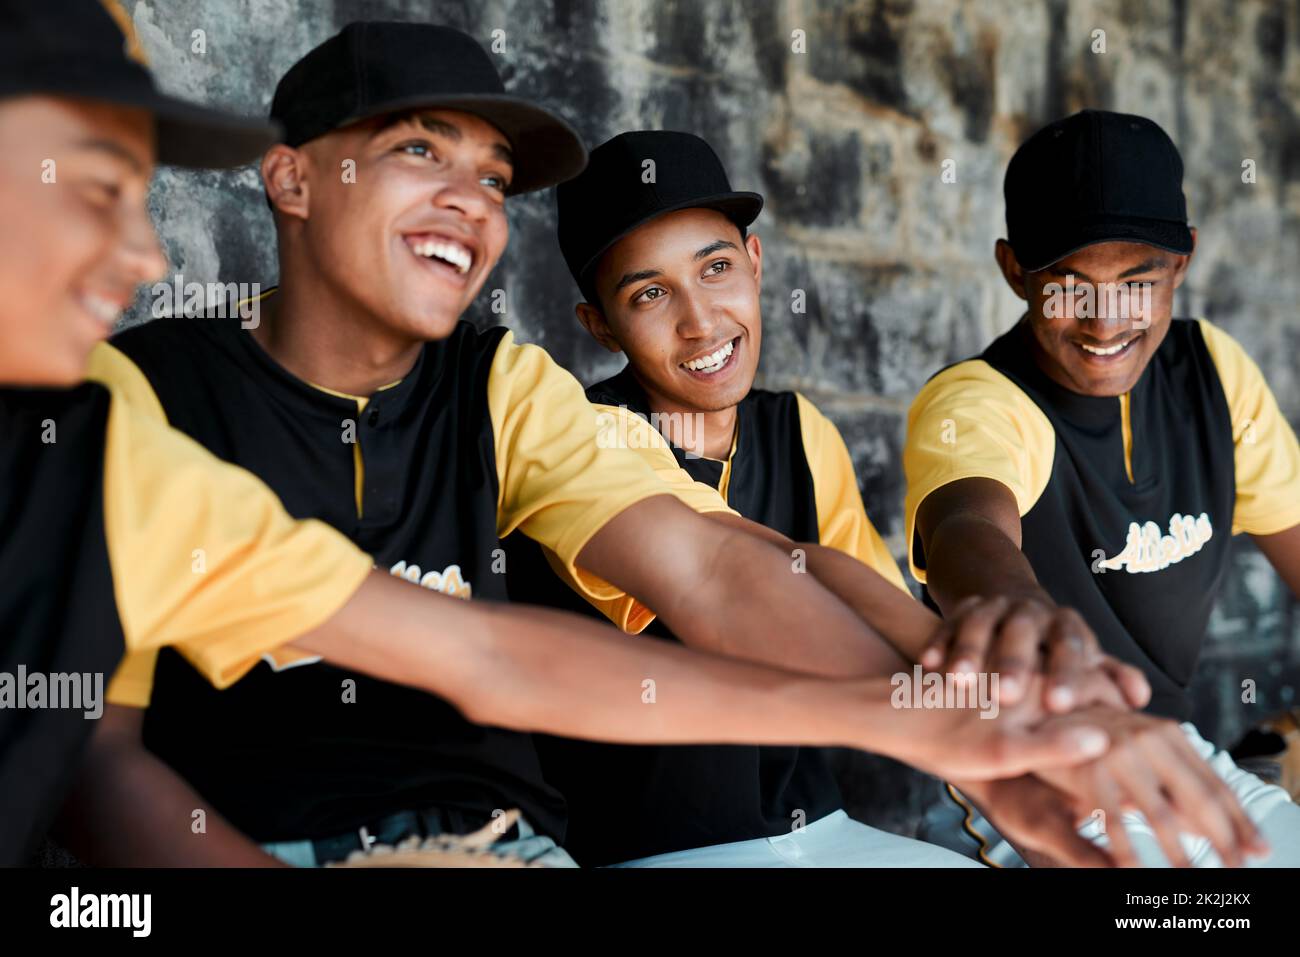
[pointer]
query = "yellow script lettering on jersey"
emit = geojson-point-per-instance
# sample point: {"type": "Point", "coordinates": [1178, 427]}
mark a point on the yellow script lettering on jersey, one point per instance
{"type": "Point", "coordinates": [1147, 550]}
{"type": "Point", "coordinates": [449, 581]}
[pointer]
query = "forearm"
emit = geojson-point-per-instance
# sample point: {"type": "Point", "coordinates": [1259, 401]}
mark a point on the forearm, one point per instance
{"type": "Point", "coordinates": [730, 586]}
{"type": "Point", "coordinates": [534, 669]}
{"type": "Point", "coordinates": [969, 555]}
{"type": "Point", "coordinates": [902, 621]}
{"type": "Point", "coordinates": [895, 620]}
{"type": "Point", "coordinates": [129, 809]}
{"type": "Point", "coordinates": [643, 690]}
{"type": "Point", "coordinates": [768, 603]}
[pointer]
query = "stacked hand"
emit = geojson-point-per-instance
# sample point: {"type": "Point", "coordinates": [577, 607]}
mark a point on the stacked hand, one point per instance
{"type": "Point", "coordinates": [1152, 768]}
{"type": "Point", "coordinates": [1026, 638]}
{"type": "Point", "coordinates": [1059, 695]}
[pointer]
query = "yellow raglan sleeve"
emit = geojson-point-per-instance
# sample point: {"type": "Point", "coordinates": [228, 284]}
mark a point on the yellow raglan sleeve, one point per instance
{"type": "Point", "coordinates": [565, 468]}
{"type": "Point", "coordinates": [132, 684]}
{"type": "Point", "coordinates": [970, 421]}
{"type": "Point", "coordinates": [645, 440]}
{"type": "Point", "coordinates": [1266, 454]}
{"type": "Point", "coordinates": [204, 556]}
{"type": "Point", "coordinates": [842, 521]}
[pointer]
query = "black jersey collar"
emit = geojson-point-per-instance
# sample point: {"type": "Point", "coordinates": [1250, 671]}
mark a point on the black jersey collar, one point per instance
{"type": "Point", "coordinates": [315, 398]}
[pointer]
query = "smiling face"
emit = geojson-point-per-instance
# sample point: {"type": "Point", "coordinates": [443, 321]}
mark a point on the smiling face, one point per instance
{"type": "Point", "coordinates": [401, 217]}
{"type": "Point", "coordinates": [1097, 341]}
{"type": "Point", "coordinates": [75, 238]}
{"type": "Point", "coordinates": [680, 296]}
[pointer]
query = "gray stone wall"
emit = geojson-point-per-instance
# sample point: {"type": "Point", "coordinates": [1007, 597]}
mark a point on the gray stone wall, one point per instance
{"type": "Point", "coordinates": [847, 140]}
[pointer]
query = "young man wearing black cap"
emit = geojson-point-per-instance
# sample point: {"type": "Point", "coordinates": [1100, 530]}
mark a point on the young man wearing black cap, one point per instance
{"type": "Point", "coordinates": [671, 278]}
{"type": "Point", "coordinates": [121, 534]}
{"type": "Point", "coordinates": [92, 546]}
{"type": "Point", "coordinates": [1100, 454]}
{"type": "Point", "coordinates": [460, 438]}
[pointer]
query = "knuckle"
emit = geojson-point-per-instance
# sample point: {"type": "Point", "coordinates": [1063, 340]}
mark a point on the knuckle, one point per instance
{"type": "Point", "coordinates": [1011, 662]}
{"type": "Point", "coordinates": [1021, 606]}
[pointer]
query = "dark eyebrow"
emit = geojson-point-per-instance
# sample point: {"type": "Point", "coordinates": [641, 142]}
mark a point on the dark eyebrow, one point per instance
{"type": "Point", "coordinates": [114, 149]}
{"type": "Point", "coordinates": [710, 249]}
{"type": "Point", "coordinates": [1061, 273]}
{"type": "Point", "coordinates": [443, 128]}
{"type": "Point", "coordinates": [631, 277]}
{"type": "Point", "coordinates": [1155, 262]}
{"type": "Point", "coordinates": [713, 247]}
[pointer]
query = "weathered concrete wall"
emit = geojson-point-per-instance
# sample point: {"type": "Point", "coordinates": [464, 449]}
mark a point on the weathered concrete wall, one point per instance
{"type": "Point", "coordinates": [847, 142]}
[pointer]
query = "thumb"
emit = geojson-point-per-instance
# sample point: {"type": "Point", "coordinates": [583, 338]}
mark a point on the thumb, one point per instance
{"type": "Point", "coordinates": [1136, 687]}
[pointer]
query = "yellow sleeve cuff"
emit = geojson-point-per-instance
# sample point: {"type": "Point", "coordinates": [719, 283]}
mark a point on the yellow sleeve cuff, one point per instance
{"type": "Point", "coordinates": [1266, 455]}
{"type": "Point", "coordinates": [132, 683]}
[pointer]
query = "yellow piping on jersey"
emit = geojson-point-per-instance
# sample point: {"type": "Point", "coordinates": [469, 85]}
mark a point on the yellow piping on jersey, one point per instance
{"type": "Point", "coordinates": [358, 464]}
{"type": "Point", "coordinates": [969, 827]}
{"type": "Point", "coordinates": [1126, 426]}
{"type": "Point", "coordinates": [131, 40]}
{"type": "Point", "coordinates": [726, 466]}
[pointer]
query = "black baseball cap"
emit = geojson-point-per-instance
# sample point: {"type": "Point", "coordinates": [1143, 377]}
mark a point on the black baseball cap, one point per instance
{"type": "Point", "coordinates": [1095, 177]}
{"type": "Point", "coordinates": [371, 68]}
{"type": "Point", "coordinates": [88, 49]}
{"type": "Point", "coordinates": [611, 197]}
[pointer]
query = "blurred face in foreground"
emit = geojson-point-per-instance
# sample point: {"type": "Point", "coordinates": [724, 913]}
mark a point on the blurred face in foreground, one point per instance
{"type": "Point", "coordinates": [75, 236]}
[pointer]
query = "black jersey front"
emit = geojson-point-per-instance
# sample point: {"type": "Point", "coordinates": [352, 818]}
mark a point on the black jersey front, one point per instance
{"type": "Point", "coordinates": [58, 613]}
{"type": "Point", "coordinates": [1133, 522]}
{"type": "Point", "coordinates": [310, 750]}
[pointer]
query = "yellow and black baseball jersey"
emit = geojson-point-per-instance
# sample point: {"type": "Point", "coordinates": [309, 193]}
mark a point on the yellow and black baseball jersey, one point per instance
{"type": "Point", "coordinates": [1126, 504]}
{"type": "Point", "coordinates": [483, 437]}
{"type": "Point", "coordinates": [120, 534]}
{"type": "Point", "coordinates": [790, 470]}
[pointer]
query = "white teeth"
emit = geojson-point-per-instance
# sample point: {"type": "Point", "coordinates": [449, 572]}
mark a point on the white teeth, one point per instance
{"type": "Point", "coordinates": [105, 310]}
{"type": "Point", "coordinates": [711, 363]}
{"type": "Point", "coordinates": [453, 253]}
{"type": "Point", "coordinates": [1107, 352]}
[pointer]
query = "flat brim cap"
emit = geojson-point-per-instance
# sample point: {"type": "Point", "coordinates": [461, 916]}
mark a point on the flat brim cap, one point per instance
{"type": "Point", "coordinates": [82, 49]}
{"type": "Point", "coordinates": [634, 178]}
{"type": "Point", "coordinates": [1095, 177]}
{"type": "Point", "coordinates": [373, 68]}
{"type": "Point", "coordinates": [1039, 252]}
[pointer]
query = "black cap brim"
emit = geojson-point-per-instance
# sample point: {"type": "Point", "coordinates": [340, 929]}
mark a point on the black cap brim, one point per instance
{"type": "Point", "coordinates": [200, 138]}
{"type": "Point", "coordinates": [547, 150]}
{"type": "Point", "coordinates": [1034, 254]}
{"type": "Point", "coordinates": [188, 135]}
{"type": "Point", "coordinates": [741, 208]}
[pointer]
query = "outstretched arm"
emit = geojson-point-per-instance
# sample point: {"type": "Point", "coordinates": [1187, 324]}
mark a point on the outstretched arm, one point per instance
{"type": "Point", "coordinates": [534, 669]}
{"type": "Point", "coordinates": [542, 670]}
{"type": "Point", "coordinates": [993, 639]}
{"type": "Point", "coordinates": [723, 586]}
